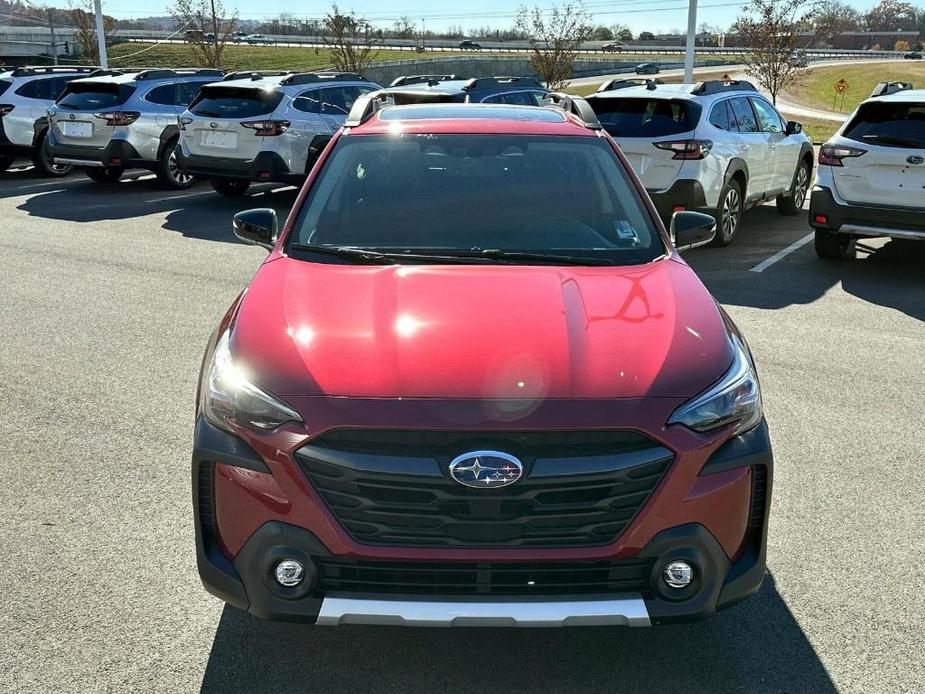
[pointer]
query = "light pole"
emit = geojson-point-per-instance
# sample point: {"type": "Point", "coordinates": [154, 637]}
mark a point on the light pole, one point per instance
{"type": "Point", "coordinates": [691, 40]}
{"type": "Point", "coordinates": [100, 36]}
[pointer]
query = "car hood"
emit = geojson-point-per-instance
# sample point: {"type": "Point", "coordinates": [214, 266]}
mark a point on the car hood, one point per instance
{"type": "Point", "coordinates": [480, 331]}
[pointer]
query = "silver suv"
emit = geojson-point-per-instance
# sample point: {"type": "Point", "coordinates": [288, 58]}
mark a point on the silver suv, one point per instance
{"type": "Point", "coordinates": [26, 94]}
{"type": "Point", "coordinates": [264, 127]}
{"type": "Point", "coordinates": [125, 119]}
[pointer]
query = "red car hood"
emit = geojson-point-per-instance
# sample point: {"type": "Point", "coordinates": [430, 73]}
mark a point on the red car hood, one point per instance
{"type": "Point", "coordinates": [480, 331]}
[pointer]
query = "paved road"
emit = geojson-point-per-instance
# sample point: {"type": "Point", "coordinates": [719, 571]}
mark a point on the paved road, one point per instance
{"type": "Point", "coordinates": [107, 295]}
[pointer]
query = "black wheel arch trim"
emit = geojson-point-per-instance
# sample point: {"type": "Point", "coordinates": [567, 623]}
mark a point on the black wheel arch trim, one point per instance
{"type": "Point", "coordinates": [170, 133]}
{"type": "Point", "coordinates": [38, 130]}
{"type": "Point", "coordinates": [737, 165]}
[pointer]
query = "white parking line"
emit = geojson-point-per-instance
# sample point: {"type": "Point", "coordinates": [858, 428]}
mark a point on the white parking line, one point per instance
{"type": "Point", "coordinates": [181, 195]}
{"type": "Point", "coordinates": [780, 255]}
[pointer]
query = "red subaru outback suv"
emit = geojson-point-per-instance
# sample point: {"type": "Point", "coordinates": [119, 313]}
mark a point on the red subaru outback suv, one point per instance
{"type": "Point", "coordinates": [474, 383]}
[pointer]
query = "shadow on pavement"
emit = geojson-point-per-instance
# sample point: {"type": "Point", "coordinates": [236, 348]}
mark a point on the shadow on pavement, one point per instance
{"type": "Point", "coordinates": [756, 646]}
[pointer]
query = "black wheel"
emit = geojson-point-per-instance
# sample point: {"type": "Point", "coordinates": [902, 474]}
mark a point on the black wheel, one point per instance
{"type": "Point", "coordinates": [792, 204]}
{"type": "Point", "coordinates": [169, 172]}
{"type": "Point", "coordinates": [44, 163]}
{"type": "Point", "coordinates": [834, 246]}
{"type": "Point", "coordinates": [231, 189]}
{"type": "Point", "coordinates": [104, 174]}
{"type": "Point", "coordinates": [729, 213]}
{"type": "Point", "coordinates": [5, 163]}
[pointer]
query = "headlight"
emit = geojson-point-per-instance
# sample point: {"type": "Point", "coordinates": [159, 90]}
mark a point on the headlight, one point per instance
{"type": "Point", "coordinates": [736, 397]}
{"type": "Point", "coordinates": [228, 396]}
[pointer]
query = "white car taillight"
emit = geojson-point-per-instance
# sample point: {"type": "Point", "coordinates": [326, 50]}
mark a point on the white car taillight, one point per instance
{"type": "Point", "coordinates": [267, 128]}
{"type": "Point", "coordinates": [832, 155]}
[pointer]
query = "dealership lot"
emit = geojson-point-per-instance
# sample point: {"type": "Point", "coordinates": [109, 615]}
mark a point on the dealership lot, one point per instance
{"type": "Point", "coordinates": [109, 294]}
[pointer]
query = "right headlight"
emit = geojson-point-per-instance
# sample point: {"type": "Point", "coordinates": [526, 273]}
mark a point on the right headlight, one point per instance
{"type": "Point", "coordinates": [736, 397]}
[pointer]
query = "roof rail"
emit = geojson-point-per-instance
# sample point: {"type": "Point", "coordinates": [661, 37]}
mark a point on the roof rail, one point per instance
{"type": "Point", "coordinates": [719, 86]}
{"type": "Point", "coordinates": [163, 73]}
{"type": "Point", "coordinates": [626, 82]}
{"type": "Point", "coordinates": [310, 77]}
{"type": "Point", "coordinates": [28, 70]}
{"type": "Point", "coordinates": [255, 74]}
{"type": "Point", "coordinates": [482, 82]}
{"type": "Point", "coordinates": [405, 80]}
{"type": "Point", "coordinates": [365, 106]}
{"type": "Point", "coordinates": [574, 105]}
{"type": "Point", "coordinates": [885, 88]}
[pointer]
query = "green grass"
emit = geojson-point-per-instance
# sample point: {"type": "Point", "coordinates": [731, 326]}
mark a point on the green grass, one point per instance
{"type": "Point", "coordinates": [816, 90]}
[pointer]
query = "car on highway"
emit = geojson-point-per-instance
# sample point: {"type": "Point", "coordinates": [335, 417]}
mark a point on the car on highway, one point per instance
{"type": "Point", "coordinates": [613, 47]}
{"type": "Point", "coordinates": [237, 36]}
{"type": "Point", "coordinates": [261, 127]}
{"type": "Point", "coordinates": [871, 177]}
{"type": "Point", "coordinates": [26, 94]}
{"type": "Point", "coordinates": [470, 46]}
{"type": "Point", "coordinates": [648, 69]}
{"type": "Point", "coordinates": [259, 40]}
{"type": "Point", "coordinates": [116, 120]}
{"type": "Point", "coordinates": [716, 146]}
{"type": "Point", "coordinates": [523, 91]}
{"type": "Point", "coordinates": [474, 383]}
{"type": "Point", "coordinates": [913, 55]}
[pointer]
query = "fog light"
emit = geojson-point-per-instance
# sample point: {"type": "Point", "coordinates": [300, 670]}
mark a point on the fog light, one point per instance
{"type": "Point", "coordinates": [289, 573]}
{"type": "Point", "coordinates": [821, 219]}
{"type": "Point", "coordinates": [678, 574]}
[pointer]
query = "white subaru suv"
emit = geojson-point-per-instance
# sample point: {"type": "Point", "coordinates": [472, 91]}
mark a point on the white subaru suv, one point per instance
{"type": "Point", "coordinates": [26, 94]}
{"type": "Point", "coordinates": [716, 147]}
{"type": "Point", "coordinates": [264, 127]}
{"type": "Point", "coordinates": [871, 179]}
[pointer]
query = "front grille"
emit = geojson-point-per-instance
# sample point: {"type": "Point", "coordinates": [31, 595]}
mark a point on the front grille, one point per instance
{"type": "Point", "coordinates": [405, 497]}
{"type": "Point", "coordinates": [483, 579]}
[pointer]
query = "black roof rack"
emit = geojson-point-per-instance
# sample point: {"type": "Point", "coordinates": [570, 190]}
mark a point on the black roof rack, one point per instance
{"type": "Point", "coordinates": [310, 77]}
{"type": "Point", "coordinates": [364, 107]}
{"type": "Point", "coordinates": [885, 88]}
{"type": "Point", "coordinates": [482, 82]}
{"type": "Point", "coordinates": [164, 73]}
{"type": "Point", "coordinates": [574, 105]}
{"type": "Point", "coordinates": [405, 80]}
{"type": "Point", "coordinates": [255, 74]}
{"type": "Point", "coordinates": [626, 82]}
{"type": "Point", "coordinates": [28, 70]}
{"type": "Point", "coordinates": [719, 86]}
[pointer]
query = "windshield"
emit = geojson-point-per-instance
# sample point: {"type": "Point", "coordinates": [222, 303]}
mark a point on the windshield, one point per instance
{"type": "Point", "coordinates": [87, 96]}
{"type": "Point", "coordinates": [893, 124]}
{"type": "Point", "coordinates": [234, 102]}
{"type": "Point", "coordinates": [500, 195]}
{"type": "Point", "coordinates": [644, 117]}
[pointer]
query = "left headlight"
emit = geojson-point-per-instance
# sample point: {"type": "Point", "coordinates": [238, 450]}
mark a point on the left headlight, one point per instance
{"type": "Point", "coordinates": [736, 397]}
{"type": "Point", "coordinates": [229, 396]}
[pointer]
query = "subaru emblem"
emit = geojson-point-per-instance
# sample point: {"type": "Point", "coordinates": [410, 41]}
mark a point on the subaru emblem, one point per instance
{"type": "Point", "coordinates": [71, 116]}
{"type": "Point", "coordinates": [486, 469]}
{"type": "Point", "coordinates": [915, 159]}
{"type": "Point", "coordinates": [213, 124]}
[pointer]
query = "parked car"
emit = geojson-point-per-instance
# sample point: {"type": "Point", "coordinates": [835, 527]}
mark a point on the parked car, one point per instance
{"type": "Point", "coordinates": [913, 55]}
{"type": "Point", "coordinates": [799, 59]}
{"type": "Point", "coordinates": [717, 147]}
{"type": "Point", "coordinates": [523, 91]}
{"type": "Point", "coordinates": [26, 94]}
{"type": "Point", "coordinates": [613, 48]}
{"type": "Point", "coordinates": [457, 392]}
{"type": "Point", "coordinates": [117, 120]}
{"type": "Point", "coordinates": [626, 82]}
{"type": "Point", "coordinates": [648, 69]}
{"type": "Point", "coordinates": [469, 46]}
{"type": "Point", "coordinates": [259, 40]}
{"type": "Point", "coordinates": [266, 128]}
{"type": "Point", "coordinates": [872, 173]}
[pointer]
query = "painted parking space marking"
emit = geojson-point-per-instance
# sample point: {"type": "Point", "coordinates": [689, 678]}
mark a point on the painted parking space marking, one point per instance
{"type": "Point", "coordinates": [783, 253]}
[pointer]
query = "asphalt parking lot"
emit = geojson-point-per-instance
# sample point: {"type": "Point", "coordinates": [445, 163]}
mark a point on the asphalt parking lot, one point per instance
{"type": "Point", "coordinates": [107, 297]}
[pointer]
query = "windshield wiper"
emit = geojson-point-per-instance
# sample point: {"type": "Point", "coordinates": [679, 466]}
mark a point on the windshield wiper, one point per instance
{"type": "Point", "coordinates": [513, 256]}
{"type": "Point", "coordinates": [345, 252]}
{"type": "Point", "coordinates": [898, 141]}
{"type": "Point", "coordinates": [454, 256]}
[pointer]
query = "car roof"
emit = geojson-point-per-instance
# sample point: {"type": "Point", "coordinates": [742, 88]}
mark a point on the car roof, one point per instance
{"type": "Point", "coordinates": [472, 118]}
{"type": "Point", "coordinates": [279, 82]}
{"type": "Point", "coordinates": [900, 96]}
{"type": "Point", "coordinates": [687, 92]}
{"type": "Point", "coordinates": [149, 76]}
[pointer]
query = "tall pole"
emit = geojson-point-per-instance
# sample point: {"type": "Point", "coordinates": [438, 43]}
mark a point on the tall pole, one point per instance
{"type": "Point", "coordinates": [691, 40]}
{"type": "Point", "coordinates": [54, 42]}
{"type": "Point", "coordinates": [100, 36]}
{"type": "Point", "coordinates": [214, 23]}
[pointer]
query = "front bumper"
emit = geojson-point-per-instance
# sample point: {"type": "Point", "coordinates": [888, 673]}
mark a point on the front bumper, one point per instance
{"type": "Point", "coordinates": [266, 167]}
{"type": "Point", "coordinates": [684, 193]}
{"type": "Point", "coordinates": [857, 220]}
{"type": "Point", "coordinates": [242, 575]}
{"type": "Point", "coordinates": [117, 153]}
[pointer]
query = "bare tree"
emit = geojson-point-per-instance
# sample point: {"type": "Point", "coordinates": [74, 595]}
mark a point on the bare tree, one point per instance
{"type": "Point", "coordinates": [352, 40]}
{"type": "Point", "coordinates": [769, 30]}
{"type": "Point", "coordinates": [84, 20]}
{"type": "Point", "coordinates": [208, 28]}
{"type": "Point", "coordinates": [833, 17]}
{"type": "Point", "coordinates": [555, 35]}
{"type": "Point", "coordinates": [892, 15]}
{"type": "Point", "coordinates": [404, 28]}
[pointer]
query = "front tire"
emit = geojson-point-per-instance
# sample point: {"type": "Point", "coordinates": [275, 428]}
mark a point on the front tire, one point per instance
{"type": "Point", "coordinates": [45, 163]}
{"type": "Point", "coordinates": [169, 172]}
{"type": "Point", "coordinates": [791, 205]}
{"type": "Point", "coordinates": [831, 246]}
{"type": "Point", "coordinates": [104, 174]}
{"type": "Point", "coordinates": [729, 213]}
{"type": "Point", "coordinates": [230, 188]}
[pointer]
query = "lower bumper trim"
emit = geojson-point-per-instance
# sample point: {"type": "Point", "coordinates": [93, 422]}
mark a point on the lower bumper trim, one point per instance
{"type": "Point", "coordinates": [863, 230]}
{"type": "Point", "coordinates": [629, 610]}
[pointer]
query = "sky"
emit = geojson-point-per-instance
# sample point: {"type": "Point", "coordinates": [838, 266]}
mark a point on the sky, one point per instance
{"type": "Point", "coordinates": [641, 15]}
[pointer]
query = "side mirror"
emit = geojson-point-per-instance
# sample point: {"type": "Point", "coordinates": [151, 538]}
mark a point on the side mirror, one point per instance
{"type": "Point", "coordinates": [691, 229]}
{"type": "Point", "coordinates": [794, 128]}
{"type": "Point", "coordinates": [258, 227]}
